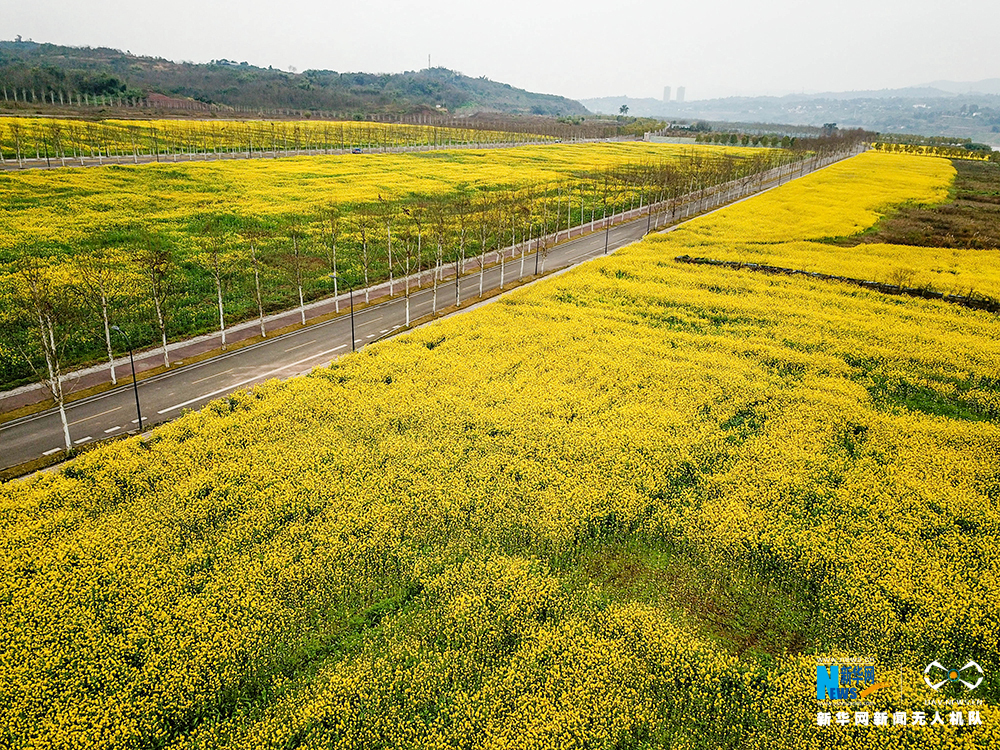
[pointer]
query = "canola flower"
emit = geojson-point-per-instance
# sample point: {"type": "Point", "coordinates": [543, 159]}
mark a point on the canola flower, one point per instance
{"type": "Point", "coordinates": [382, 554]}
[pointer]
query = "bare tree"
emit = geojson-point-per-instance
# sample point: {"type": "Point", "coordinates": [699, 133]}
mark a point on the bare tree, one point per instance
{"type": "Point", "coordinates": [364, 221]}
{"type": "Point", "coordinates": [439, 223]}
{"type": "Point", "coordinates": [55, 138]}
{"type": "Point", "coordinates": [212, 239]}
{"type": "Point", "coordinates": [156, 261]}
{"type": "Point", "coordinates": [298, 237]}
{"type": "Point", "coordinates": [254, 236]}
{"type": "Point", "coordinates": [101, 283]}
{"type": "Point", "coordinates": [46, 297]}
{"type": "Point", "coordinates": [17, 134]}
{"type": "Point", "coordinates": [386, 210]}
{"type": "Point", "coordinates": [416, 213]}
{"type": "Point", "coordinates": [484, 214]}
{"type": "Point", "coordinates": [502, 203]}
{"type": "Point", "coordinates": [462, 206]}
{"type": "Point", "coordinates": [525, 207]}
{"type": "Point", "coordinates": [331, 229]}
{"type": "Point", "coordinates": [408, 255]}
{"type": "Point", "coordinates": [544, 231]}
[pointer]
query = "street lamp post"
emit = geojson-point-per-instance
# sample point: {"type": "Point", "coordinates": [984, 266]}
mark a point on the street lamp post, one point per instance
{"type": "Point", "coordinates": [350, 289]}
{"type": "Point", "coordinates": [649, 216]}
{"type": "Point", "coordinates": [135, 385]}
{"type": "Point", "coordinates": [538, 239]}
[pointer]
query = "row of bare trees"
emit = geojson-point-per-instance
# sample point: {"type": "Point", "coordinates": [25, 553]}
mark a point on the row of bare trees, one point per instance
{"type": "Point", "coordinates": [71, 141]}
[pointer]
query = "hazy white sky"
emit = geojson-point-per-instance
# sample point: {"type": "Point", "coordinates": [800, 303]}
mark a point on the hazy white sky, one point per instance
{"type": "Point", "coordinates": [570, 47]}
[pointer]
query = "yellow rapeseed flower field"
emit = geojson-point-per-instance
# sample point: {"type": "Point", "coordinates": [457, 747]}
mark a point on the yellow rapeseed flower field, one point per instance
{"type": "Point", "coordinates": [773, 230]}
{"type": "Point", "coordinates": [627, 507]}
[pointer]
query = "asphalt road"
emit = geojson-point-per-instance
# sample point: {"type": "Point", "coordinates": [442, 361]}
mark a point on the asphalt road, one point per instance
{"type": "Point", "coordinates": [164, 397]}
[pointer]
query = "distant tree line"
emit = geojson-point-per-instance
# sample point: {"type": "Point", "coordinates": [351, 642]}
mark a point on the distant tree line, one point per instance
{"type": "Point", "coordinates": [975, 151]}
{"type": "Point", "coordinates": [826, 139]}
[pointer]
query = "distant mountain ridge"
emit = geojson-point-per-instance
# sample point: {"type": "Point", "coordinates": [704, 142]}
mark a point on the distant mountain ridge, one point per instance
{"type": "Point", "coordinates": [989, 86]}
{"type": "Point", "coordinates": [935, 89]}
{"type": "Point", "coordinates": [942, 108]}
{"type": "Point", "coordinates": [104, 71]}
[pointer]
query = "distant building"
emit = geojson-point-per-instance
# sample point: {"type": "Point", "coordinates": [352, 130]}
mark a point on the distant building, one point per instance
{"type": "Point", "coordinates": [666, 93]}
{"type": "Point", "coordinates": [680, 93]}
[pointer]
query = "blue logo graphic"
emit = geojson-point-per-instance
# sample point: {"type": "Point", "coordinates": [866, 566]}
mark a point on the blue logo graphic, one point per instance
{"type": "Point", "coordinates": [843, 682]}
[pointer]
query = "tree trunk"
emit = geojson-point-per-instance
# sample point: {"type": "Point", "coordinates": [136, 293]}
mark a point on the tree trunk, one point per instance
{"type": "Point", "coordinates": [256, 282]}
{"type": "Point", "coordinates": [57, 382]}
{"type": "Point", "coordinates": [107, 337]}
{"type": "Point", "coordinates": [364, 261]}
{"type": "Point", "coordinates": [336, 293]}
{"type": "Point", "coordinates": [298, 279]}
{"type": "Point", "coordinates": [47, 331]}
{"type": "Point", "coordinates": [163, 328]}
{"type": "Point", "coordinates": [437, 270]}
{"type": "Point", "coordinates": [408, 285]}
{"type": "Point", "coordinates": [222, 319]}
{"type": "Point", "coordinates": [388, 234]}
{"type": "Point", "coordinates": [460, 265]}
{"type": "Point", "coordinates": [521, 273]}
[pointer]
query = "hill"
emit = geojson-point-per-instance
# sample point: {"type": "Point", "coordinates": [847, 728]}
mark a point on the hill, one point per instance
{"type": "Point", "coordinates": [102, 71]}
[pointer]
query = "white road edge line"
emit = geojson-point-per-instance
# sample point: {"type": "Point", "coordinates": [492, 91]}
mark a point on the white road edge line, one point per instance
{"type": "Point", "coordinates": [49, 453]}
{"type": "Point", "coordinates": [243, 382]}
{"type": "Point", "coordinates": [83, 440]}
{"type": "Point", "coordinates": [113, 429]}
